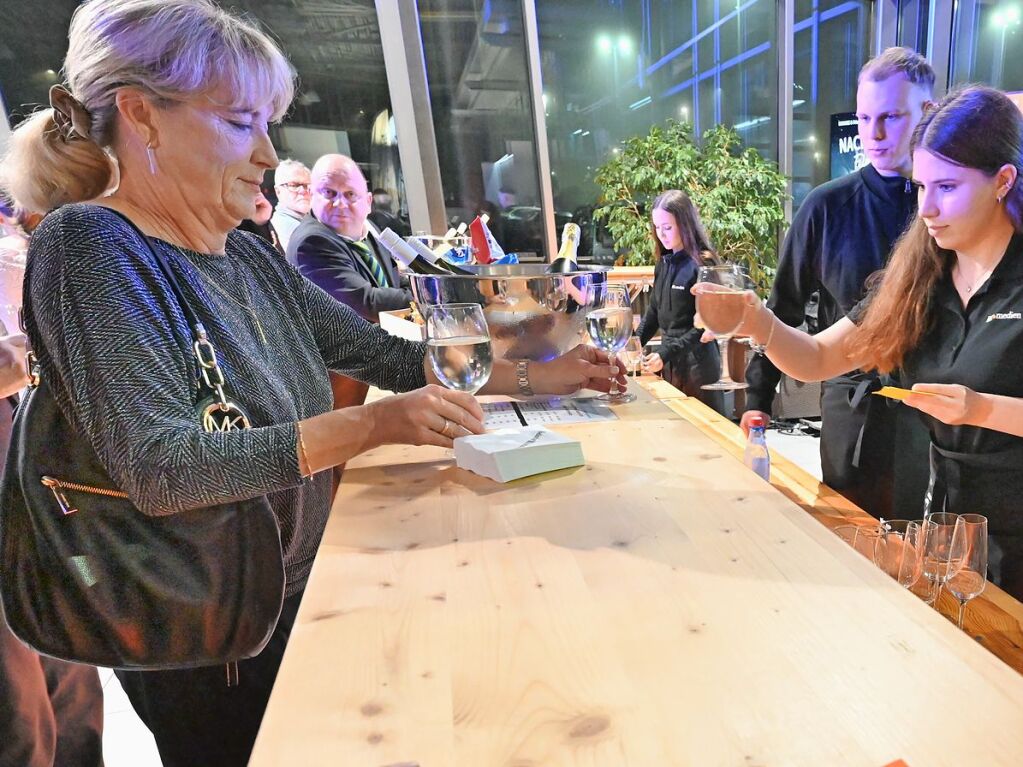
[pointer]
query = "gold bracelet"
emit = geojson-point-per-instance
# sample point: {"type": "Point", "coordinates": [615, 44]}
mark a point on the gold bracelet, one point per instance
{"type": "Point", "coordinates": [302, 454]}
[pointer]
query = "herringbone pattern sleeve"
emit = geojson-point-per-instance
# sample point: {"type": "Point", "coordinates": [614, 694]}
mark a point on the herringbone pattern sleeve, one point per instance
{"type": "Point", "coordinates": [116, 350]}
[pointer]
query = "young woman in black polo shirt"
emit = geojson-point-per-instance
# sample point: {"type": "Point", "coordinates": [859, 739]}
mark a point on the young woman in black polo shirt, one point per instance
{"type": "Point", "coordinates": [681, 246]}
{"type": "Point", "coordinates": [948, 313]}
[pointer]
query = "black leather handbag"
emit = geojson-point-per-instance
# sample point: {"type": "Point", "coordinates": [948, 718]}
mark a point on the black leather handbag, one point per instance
{"type": "Point", "coordinates": [87, 577]}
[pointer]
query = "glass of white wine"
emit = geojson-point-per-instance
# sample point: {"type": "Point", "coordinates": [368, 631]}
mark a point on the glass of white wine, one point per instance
{"type": "Point", "coordinates": [459, 346]}
{"type": "Point", "coordinates": [610, 327]}
{"type": "Point", "coordinates": [721, 303]}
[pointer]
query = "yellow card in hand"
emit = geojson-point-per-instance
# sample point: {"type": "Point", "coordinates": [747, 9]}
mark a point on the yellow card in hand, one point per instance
{"type": "Point", "coordinates": [894, 392]}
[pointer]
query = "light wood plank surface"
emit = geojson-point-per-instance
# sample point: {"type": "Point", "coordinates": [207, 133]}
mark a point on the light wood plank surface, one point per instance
{"type": "Point", "coordinates": [660, 606]}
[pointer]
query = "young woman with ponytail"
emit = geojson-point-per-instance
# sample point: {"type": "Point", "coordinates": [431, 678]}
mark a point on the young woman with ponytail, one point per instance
{"type": "Point", "coordinates": [947, 313]}
{"type": "Point", "coordinates": [681, 246]}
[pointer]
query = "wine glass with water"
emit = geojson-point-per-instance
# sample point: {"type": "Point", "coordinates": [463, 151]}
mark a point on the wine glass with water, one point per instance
{"type": "Point", "coordinates": [459, 346]}
{"type": "Point", "coordinates": [722, 304]}
{"type": "Point", "coordinates": [610, 327]}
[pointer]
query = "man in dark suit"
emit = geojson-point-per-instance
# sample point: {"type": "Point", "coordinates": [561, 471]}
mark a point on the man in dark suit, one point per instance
{"type": "Point", "coordinates": [334, 248]}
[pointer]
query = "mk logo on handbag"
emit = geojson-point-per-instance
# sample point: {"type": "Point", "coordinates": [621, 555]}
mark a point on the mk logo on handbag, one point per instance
{"type": "Point", "coordinates": [219, 417]}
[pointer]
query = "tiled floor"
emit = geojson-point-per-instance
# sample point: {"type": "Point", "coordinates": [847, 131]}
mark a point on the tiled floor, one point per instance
{"type": "Point", "coordinates": [127, 742]}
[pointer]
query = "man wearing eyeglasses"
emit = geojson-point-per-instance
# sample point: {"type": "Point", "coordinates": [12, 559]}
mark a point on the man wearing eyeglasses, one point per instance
{"type": "Point", "coordinates": [334, 248]}
{"type": "Point", "coordinates": [291, 183]}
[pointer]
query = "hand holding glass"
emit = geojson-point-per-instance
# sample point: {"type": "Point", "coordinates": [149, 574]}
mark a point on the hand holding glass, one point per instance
{"type": "Point", "coordinates": [459, 346]}
{"type": "Point", "coordinates": [721, 304]}
{"type": "Point", "coordinates": [610, 327]}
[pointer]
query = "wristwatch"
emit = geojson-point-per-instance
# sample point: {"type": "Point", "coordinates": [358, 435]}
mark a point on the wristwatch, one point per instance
{"type": "Point", "coordinates": [522, 378]}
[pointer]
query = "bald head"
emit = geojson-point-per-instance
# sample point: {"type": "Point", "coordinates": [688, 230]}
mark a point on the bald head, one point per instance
{"type": "Point", "coordinates": [341, 197]}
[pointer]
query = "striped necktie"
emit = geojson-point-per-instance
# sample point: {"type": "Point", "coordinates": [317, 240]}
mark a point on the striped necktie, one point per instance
{"type": "Point", "coordinates": [372, 263]}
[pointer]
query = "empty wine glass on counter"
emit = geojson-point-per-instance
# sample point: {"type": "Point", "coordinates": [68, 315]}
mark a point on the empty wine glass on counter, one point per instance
{"type": "Point", "coordinates": [721, 304]}
{"type": "Point", "coordinates": [632, 356]}
{"type": "Point", "coordinates": [459, 345]}
{"type": "Point", "coordinates": [968, 562]}
{"type": "Point", "coordinates": [866, 542]}
{"type": "Point", "coordinates": [939, 537]}
{"type": "Point", "coordinates": [610, 327]}
{"type": "Point", "coordinates": [900, 550]}
{"type": "Point", "coordinates": [846, 532]}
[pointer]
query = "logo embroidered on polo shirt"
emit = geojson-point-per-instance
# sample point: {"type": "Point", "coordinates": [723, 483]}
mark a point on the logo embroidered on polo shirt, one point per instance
{"type": "Point", "coordinates": [678, 287]}
{"type": "Point", "coordinates": [1005, 316]}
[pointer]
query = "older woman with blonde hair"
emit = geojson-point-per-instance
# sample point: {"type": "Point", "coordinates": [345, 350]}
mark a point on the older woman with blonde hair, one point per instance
{"type": "Point", "coordinates": [162, 129]}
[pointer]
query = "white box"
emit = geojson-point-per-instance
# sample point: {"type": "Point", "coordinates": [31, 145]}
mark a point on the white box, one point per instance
{"type": "Point", "coordinates": [508, 454]}
{"type": "Point", "coordinates": [397, 323]}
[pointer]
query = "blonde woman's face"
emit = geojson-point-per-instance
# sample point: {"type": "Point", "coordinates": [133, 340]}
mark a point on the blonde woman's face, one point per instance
{"type": "Point", "coordinates": [216, 156]}
{"type": "Point", "coordinates": [667, 231]}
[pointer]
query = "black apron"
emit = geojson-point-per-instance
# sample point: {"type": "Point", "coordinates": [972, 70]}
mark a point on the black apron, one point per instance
{"type": "Point", "coordinates": [873, 450]}
{"type": "Point", "coordinates": [990, 484]}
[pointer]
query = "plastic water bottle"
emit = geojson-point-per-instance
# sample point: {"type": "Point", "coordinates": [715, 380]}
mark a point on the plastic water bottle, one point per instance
{"type": "Point", "coordinates": [757, 456]}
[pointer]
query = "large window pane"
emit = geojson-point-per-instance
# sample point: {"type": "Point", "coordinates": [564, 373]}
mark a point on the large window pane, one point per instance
{"type": "Point", "coordinates": [914, 17]}
{"type": "Point", "coordinates": [831, 44]}
{"type": "Point", "coordinates": [343, 104]}
{"type": "Point", "coordinates": [619, 68]}
{"type": "Point", "coordinates": [31, 53]}
{"type": "Point", "coordinates": [986, 44]}
{"type": "Point", "coordinates": [479, 93]}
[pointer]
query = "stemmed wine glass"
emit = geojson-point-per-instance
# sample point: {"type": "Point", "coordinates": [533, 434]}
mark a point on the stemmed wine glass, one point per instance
{"type": "Point", "coordinates": [900, 550]}
{"type": "Point", "coordinates": [867, 542]}
{"type": "Point", "coordinates": [458, 341]}
{"type": "Point", "coordinates": [632, 356]}
{"type": "Point", "coordinates": [939, 551]}
{"type": "Point", "coordinates": [721, 303]}
{"type": "Point", "coordinates": [610, 326]}
{"type": "Point", "coordinates": [968, 563]}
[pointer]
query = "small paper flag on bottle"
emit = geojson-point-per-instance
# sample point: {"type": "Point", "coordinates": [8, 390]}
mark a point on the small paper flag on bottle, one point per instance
{"type": "Point", "coordinates": [486, 247]}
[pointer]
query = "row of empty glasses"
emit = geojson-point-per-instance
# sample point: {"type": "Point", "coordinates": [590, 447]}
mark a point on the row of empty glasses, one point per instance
{"type": "Point", "coordinates": [941, 551]}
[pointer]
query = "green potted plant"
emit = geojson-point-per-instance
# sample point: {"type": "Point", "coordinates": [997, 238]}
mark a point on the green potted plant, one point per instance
{"type": "Point", "coordinates": [739, 194]}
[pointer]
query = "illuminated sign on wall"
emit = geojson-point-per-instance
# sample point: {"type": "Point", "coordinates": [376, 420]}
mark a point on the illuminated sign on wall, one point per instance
{"type": "Point", "coordinates": [846, 153]}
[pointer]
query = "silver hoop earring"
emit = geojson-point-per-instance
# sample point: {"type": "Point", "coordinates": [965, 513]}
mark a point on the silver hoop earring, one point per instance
{"type": "Point", "coordinates": [152, 160]}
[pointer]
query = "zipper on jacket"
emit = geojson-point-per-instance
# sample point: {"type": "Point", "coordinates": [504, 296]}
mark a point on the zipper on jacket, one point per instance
{"type": "Point", "coordinates": [58, 486]}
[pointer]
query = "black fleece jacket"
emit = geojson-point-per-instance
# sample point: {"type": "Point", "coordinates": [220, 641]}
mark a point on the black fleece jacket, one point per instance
{"type": "Point", "coordinates": [843, 232]}
{"type": "Point", "coordinates": [672, 308]}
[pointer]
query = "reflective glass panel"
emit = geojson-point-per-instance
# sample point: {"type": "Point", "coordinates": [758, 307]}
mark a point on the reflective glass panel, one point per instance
{"type": "Point", "coordinates": [986, 44]}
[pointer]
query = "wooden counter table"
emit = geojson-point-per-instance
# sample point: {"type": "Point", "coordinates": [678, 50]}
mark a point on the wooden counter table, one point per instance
{"type": "Point", "coordinates": [660, 606]}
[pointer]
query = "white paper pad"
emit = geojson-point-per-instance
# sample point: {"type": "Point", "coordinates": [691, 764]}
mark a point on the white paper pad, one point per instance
{"type": "Point", "coordinates": [508, 454]}
{"type": "Point", "coordinates": [548, 411]}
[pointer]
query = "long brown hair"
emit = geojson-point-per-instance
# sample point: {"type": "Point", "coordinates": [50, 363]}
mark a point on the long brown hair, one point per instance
{"type": "Point", "coordinates": [973, 127]}
{"type": "Point", "coordinates": [694, 238]}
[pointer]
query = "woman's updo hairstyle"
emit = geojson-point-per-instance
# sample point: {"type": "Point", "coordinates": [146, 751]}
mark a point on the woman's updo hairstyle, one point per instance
{"type": "Point", "coordinates": [173, 50]}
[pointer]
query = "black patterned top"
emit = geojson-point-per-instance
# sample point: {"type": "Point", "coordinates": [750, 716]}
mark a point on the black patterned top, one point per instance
{"type": "Point", "coordinates": [116, 350]}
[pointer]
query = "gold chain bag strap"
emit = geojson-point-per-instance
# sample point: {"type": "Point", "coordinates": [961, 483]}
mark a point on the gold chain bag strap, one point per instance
{"type": "Point", "coordinates": [87, 577]}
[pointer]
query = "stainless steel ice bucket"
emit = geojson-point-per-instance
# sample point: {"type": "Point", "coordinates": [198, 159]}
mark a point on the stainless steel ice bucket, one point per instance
{"type": "Point", "coordinates": [531, 314]}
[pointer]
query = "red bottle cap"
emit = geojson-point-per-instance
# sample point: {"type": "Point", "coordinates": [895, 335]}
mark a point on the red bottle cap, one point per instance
{"type": "Point", "coordinates": [758, 421]}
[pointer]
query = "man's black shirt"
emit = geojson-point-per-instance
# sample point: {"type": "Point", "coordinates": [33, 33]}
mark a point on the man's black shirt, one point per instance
{"type": "Point", "coordinates": [843, 232]}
